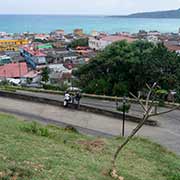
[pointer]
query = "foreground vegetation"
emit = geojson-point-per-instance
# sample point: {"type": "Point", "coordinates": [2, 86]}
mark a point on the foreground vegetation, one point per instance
{"type": "Point", "coordinates": [122, 68]}
{"type": "Point", "coordinates": [29, 151]}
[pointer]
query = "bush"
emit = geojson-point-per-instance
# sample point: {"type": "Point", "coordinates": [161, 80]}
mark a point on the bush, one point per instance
{"type": "Point", "coordinates": [54, 87]}
{"type": "Point", "coordinates": [36, 129]}
{"type": "Point", "coordinates": [78, 42]}
{"type": "Point", "coordinates": [127, 108]}
{"type": "Point", "coordinates": [175, 176]}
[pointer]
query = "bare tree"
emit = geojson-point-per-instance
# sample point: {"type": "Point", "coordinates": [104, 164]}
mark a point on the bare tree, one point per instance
{"type": "Point", "coordinates": [148, 112]}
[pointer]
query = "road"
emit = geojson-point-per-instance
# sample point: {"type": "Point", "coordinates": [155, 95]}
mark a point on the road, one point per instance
{"type": "Point", "coordinates": [167, 134]}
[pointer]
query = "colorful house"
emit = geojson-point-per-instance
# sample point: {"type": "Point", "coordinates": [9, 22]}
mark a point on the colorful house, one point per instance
{"type": "Point", "coordinates": [33, 57]}
{"type": "Point", "coordinates": [13, 70]}
{"type": "Point", "coordinates": [78, 32]}
{"type": "Point", "coordinates": [9, 44]}
{"type": "Point", "coordinates": [5, 60]}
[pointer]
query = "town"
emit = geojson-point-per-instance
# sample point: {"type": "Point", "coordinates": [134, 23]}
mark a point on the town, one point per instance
{"type": "Point", "coordinates": [24, 56]}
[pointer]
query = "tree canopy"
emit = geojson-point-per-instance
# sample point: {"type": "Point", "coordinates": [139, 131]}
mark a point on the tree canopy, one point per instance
{"type": "Point", "coordinates": [79, 42]}
{"type": "Point", "coordinates": [125, 67]}
{"type": "Point", "coordinates": [45, 74]}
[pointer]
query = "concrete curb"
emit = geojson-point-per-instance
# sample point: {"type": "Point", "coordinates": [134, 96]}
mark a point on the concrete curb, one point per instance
{"type": "Point", "coordinates": [92, 96]}
{"type": "Point", "coordinates": [82, 107]}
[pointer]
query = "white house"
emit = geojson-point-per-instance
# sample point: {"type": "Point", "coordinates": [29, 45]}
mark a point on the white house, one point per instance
{"type": "Point", "coordinates": [99, 43]}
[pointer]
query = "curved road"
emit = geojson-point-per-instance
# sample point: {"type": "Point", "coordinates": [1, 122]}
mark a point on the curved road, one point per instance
{"type": "Point", "coordinates": [167, 134]}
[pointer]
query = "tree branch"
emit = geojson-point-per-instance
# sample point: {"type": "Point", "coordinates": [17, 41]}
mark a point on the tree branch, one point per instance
{"type": "Point", "coordinates": [138, 99]}
{"type": "Point", "coordinates": [149, 94]}
{"type": "Point", "coordinates": [164, 112]}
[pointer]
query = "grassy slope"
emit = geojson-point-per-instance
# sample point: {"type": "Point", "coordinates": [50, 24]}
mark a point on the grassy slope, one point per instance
{"type": "Point", "coordinates": [25, 155]}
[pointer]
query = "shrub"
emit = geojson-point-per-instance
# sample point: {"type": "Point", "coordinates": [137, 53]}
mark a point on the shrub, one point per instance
{"type": "Point", "coordinates": [175, 176]}
{"type": "Point", "coordinates": [54, 87]}
{"type": "Point", "coordinates": [126, 106]}
{"type": "Point", "coordinates": [36, 129]}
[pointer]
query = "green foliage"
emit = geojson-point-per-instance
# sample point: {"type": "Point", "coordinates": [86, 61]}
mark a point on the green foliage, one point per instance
{"type": "Point", "coordinates": [126, 107]}
{"type": "Point", "coordinates": [35, 128]}
{"type": "Point", "coordinates": [4, 83]}
{"type": "Point", "coordinates": [124, 68]}
{"type": "Point", "coordinates": [175, 176]}
{"type": "Point", "coordinates": [78, 42]}
{"type": "Point", "coordinates": [45, 74]}
{"type": "Point", "coordinates": [54, 87]}
{"type": "Point", "coordinates": [28, 156]}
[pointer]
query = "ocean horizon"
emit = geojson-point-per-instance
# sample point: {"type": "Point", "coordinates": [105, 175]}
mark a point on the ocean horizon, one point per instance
{"type": "Point", "coordinates": [46, 23]}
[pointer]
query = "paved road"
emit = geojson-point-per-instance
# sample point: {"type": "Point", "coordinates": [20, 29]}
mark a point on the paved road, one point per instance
{"type": "Point", "coordinates": [167, 134]}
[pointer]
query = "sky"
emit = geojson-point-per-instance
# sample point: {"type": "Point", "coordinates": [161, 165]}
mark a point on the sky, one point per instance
{"type": "Point", "coordinates": [85, 7]}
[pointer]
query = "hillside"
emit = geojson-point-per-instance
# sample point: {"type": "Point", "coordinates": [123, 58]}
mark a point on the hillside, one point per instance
{"type": "Point", "coordinates": [156, 14]}
{"type": "Point", "coordinates": [33, 151]}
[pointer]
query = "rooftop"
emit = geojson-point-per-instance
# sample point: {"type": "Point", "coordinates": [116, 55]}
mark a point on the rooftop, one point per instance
{"type": "Point", "coordinates": [13, 70]}
{"type": "Point", "coordinates": [113, 38]}
{"type": "Point", "coordinates": [33, 52]}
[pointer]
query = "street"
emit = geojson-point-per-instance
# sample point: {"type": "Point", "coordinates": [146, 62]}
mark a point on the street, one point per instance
{"type": "Point", "coordinates": [166, 134]}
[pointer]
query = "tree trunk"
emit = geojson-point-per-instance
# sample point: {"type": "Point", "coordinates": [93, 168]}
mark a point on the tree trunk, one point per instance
{"type": "Point", "coordinates": [145, 117]}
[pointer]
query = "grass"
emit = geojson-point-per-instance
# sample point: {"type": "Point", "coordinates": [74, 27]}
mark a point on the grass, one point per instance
{"type": "Point", "coordinates": [31, 151]}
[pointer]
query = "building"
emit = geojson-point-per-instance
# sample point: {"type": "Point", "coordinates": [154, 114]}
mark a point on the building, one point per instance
{"type": "Point", "coordinates": [58, 34]}
{"type": "Point", "coordinates": [153, 39]}
{"type": "Point", "coordinates": [9, 44]}
{"type": "Point", "coordinates": [2, 34]}
{"type": "Point", "coordinates": [33, 57]}
{"type": "Point", "coordinates": [32, 77]}
{"type": "Point", "coordinates": [44, 46]}
{"type": "Point", "coordinates": [78, 32]}
{"type": "Point", "coordinates": [173, 46]}
{"type": "Point", "coordinates": [42, 37]}
{"type": "Point", "coordinates": [97, 43]}
{"type": "Point", "coordinates": [94, 33]}
{"type": "Point", "coordinates": [154, 33]}
{"type": "Point", "coordinates": [13, 70]}
{"type": "Point", "coordinates": [5, 60]}
{"type": "Point", "coordinates": [59, 74]}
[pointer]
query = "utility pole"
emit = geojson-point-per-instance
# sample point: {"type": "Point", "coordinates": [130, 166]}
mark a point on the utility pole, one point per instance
{"type": "Point", "coordinates": [19, 69]}
{"type": "Point", "coordinates": [124, 116]}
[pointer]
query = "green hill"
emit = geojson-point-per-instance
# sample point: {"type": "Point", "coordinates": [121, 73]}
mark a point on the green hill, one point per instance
{"type": "Point", "coordinates": [156, 14]}
{"type": "Point", "coordinates": [29, 151]}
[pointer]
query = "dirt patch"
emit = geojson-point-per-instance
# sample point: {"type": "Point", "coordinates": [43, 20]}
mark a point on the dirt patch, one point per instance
{"type": "Point", "coordinates": [93, 146]}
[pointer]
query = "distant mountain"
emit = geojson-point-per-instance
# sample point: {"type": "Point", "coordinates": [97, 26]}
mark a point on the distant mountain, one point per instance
{"type": "Point", "coordinates": [155, 14]}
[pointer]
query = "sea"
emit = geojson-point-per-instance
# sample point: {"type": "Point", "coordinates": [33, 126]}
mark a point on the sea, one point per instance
{"type": "Point", "coordinates": [48, 23]}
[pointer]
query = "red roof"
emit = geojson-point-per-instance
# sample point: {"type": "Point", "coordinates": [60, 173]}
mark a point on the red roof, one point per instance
{"type": "Point", "coordinates": [33, 52]}
{"type": "Point", "coordinates": [13, 70]}
{"type": "Point", "coordinates": [173, 47]}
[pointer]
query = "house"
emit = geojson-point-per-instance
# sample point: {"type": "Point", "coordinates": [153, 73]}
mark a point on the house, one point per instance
{"type": "Point", "coordinates": [78, 32]}
{"type": "Point", "coordinates": [44, 46]}
{"type": "Point", "coordinates": [32, 77]}
{"type": "Point", "coordinates": [57, 34]}
{"type": "Point", "coordinates": [94, 33]}
{"type": "Point", "coordinates": [10, 44]}
{"type": "Point", "coordinates": [33, 56]}
{"type": "Point", "coordinates": [173, 46]}
{"type": "Point", "coordinates": [5, 60]}
{"type": "Point", "coordinates": [59, 74]}
{"type": "Point", "coordinates": [56, 55]}
{"type": "Point", "coordinates": [99, 43]}
{"type": "Point", "coordinates": [42, 37]}
{"type": "Point", "coordinates": [153, 39]}
{"type": "Point", "coordinates": [13, 70]}
{"type": "Point", "coordinates": [154, 33]}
